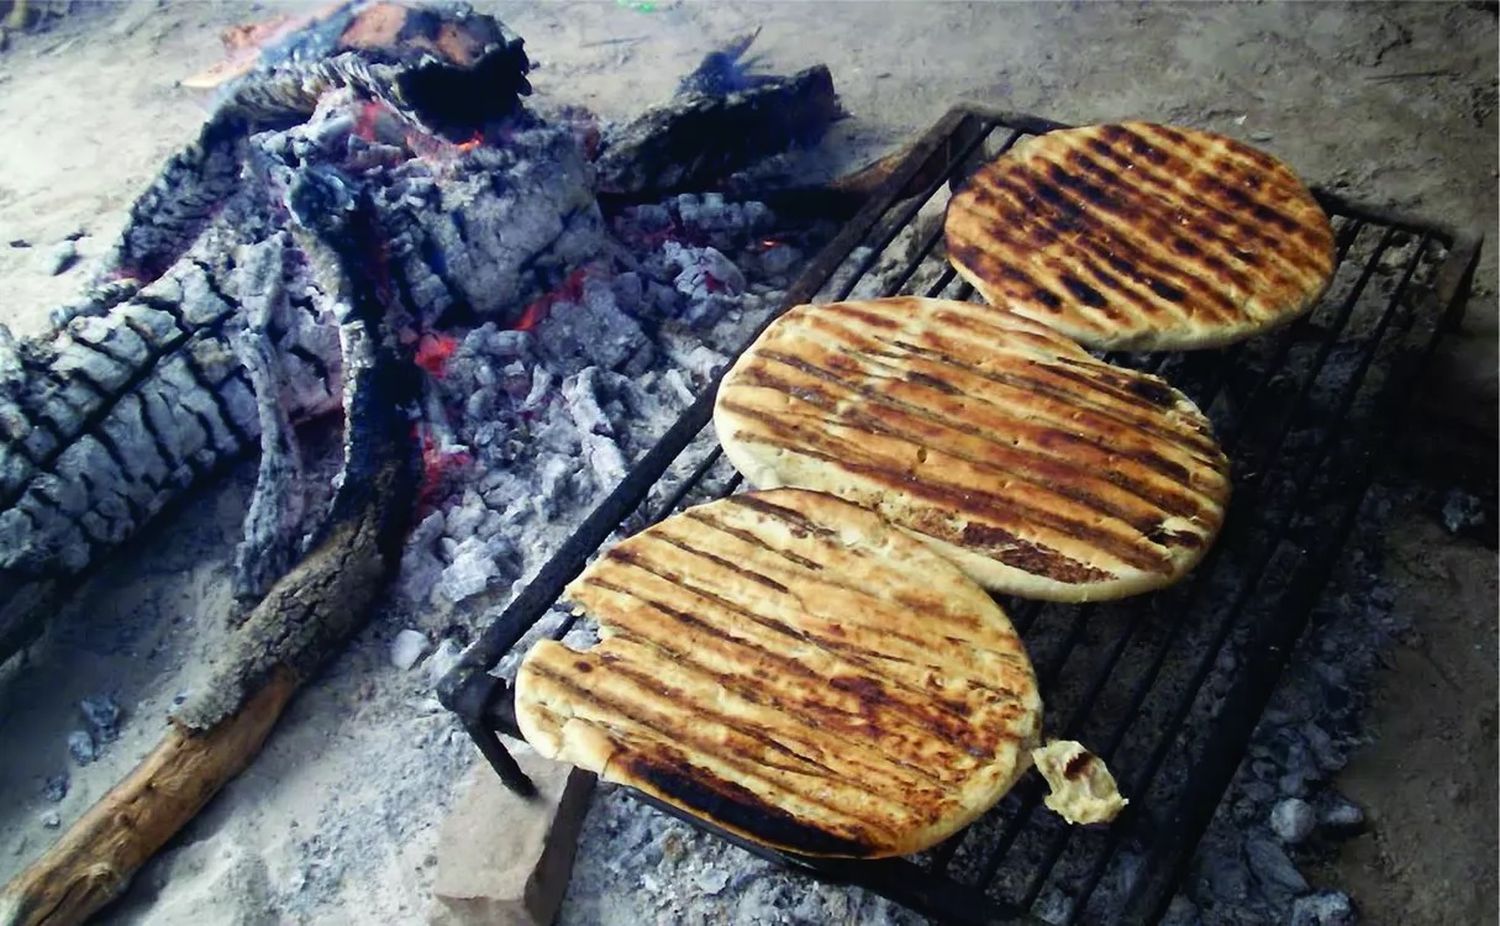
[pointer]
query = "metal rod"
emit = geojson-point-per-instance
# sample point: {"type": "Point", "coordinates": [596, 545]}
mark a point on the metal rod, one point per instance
{"type": "Point", "coordinates": [906, 215]}
{"type": "Point", "coordinates": [1144, 779]}
{"type": "Point", "coordinates": [500, 759]}
{"type": "Point", "coordinates": [897, 285]}
{"type": "Point", "coordinates": [688, 484]}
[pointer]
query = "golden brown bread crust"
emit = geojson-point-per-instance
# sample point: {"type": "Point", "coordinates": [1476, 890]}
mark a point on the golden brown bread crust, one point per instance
{"type": "Point", "coordinates": [1038, 469]}
{"type": "Point", "coordinates": [1142, 236]}
{"type": "Point", "coordinates": [794, 669]}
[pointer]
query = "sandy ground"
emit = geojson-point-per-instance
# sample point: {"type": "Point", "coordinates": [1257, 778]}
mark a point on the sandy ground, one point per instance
{"type": "Point", "coordinates": [1388, 103]}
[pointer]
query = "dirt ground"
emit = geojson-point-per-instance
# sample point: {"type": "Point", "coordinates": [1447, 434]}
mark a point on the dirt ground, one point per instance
{"type": "Point", "coordinates": [1428, 778]}
{"type": "Point", "coordinates": [1387, 103]}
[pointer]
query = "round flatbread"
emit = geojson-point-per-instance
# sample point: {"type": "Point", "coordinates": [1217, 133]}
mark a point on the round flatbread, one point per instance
{"type": "Point", "coordinates": [1038, 469]}
{"type": "Point", "coordinates": [793, 669]}
{"type": "Point", "coordinates": [1141, 236]}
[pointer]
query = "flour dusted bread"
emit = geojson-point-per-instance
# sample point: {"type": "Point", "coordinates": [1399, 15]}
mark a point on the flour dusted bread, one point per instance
{"type": "Point", "coordinates": [1142, 236]}
{"type": "Point", "coordinates": [1036, 468]}
{"type": "Point", "coordinates": [792, 668]}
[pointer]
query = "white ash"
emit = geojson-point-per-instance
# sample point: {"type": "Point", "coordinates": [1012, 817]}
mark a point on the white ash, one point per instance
{"type": "Point", "coordinates": [81, 747]}
{"type": "Point", "coordinates": [636, 865]}
{"type": "Point", "coordinates": [1324, 908]}
{"type": "Point", "coordinates": [1461, 511]}
{"type": "Point", "coordinates": [1339, 816]}
{"type": "Point", "coordinates": [1293, 820]}
{"type": "Point", "coordinates": [1278, 879]}
{"type": "Point", "coordinates": [103, 714]}
{"type": "Point", "coordinates": [778, 260]}
{"type": "Point", "coordinates": [474, 564]}
{"type": "Point", "coordinates": [60, 258]}
{"type": "Point", "coordinates": [444, 658]}
{"type": "Point", "coordinates": [592, 330]}
{"type": "Point", "coordinates": [56, 787]}
{"type": "Point", "coordinates": [526, 430]}
{"type": "Point", "coordinates": [408, 647]}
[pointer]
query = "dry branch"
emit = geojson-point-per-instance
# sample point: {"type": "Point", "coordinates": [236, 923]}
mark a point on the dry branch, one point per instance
{"type": "Point", "coordinates": [95, 860]}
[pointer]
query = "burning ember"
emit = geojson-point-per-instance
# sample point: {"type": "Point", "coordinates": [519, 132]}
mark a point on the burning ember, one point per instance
{"type": "Point", "coordinates": [433, 351]}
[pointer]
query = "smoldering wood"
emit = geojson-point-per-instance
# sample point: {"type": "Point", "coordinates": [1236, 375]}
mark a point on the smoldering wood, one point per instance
{"type": "Point", "coordinates": [451, 72]}
{"type": "Point", "coordinates": [274, 517]}
{"type": "Point", "coordinates": [141, 388]}
{"type": "Point", "coordinates": [698, 139]}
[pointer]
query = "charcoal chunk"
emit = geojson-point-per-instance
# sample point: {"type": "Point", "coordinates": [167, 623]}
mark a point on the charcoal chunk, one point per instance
{"type": "Point", "coordinates": [56, 787]}
{"type": "Point", "coordinates": [1325, 908]}
{"type": "Point", "coordinates": [103, 715]}
{"type": "Point", "coordinates": [81, 747]}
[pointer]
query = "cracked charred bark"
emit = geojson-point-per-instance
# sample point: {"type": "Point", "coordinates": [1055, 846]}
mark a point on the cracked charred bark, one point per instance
{"type": "Point", "coordinates": [208, 338]}
{"type": "Point", "coordinates": [305, 618]}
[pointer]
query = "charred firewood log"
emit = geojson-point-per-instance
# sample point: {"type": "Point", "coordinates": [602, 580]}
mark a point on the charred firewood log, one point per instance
{"type": "Point", "coordinates": [722, 120]}
{"type": "Point", "coordinates": [212, 335]}
{"type": "Point", "coordinates": [306, 617]}
{"type": "Point", "coordinates": [453, 73]}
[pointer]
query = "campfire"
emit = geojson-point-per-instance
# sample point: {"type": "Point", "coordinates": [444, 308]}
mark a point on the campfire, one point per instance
{"type": "Point", "coordinates": [374, 234]}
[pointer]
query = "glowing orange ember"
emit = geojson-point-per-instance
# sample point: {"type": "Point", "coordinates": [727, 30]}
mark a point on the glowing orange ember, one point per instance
{"type": "Point", "coordinates": [472, 143]}
{"type": "Point", "coordinates": [433, 351]}
{"type": "Point", "coordinates": [533, 315]}
{"type": "Point", "coordinates": [570, 290]}
{"type": "Point", "coordinates": [438, 463]}
{"type": "Point", "coordinates": [364, 123]}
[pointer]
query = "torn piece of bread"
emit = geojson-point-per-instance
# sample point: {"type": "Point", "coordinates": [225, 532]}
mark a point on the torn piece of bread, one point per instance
{"type": "Point", "coordinates": [1082, 789]}
{"type": "Point", "coordinates": [794, 669]}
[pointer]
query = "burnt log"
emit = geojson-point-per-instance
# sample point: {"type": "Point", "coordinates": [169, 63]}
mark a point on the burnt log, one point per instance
{"type": "Point", "coordinates": [305, 619]}
{"type": "Point", "coordinates": [699, 139]}
{"type": "Point", "coordinates": [213, 335]}
{"type": "Point", "coordinates": [452, 73]}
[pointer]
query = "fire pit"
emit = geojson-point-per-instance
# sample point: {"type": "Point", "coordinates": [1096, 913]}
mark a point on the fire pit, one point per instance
{"type": "Point", "coordinates": [1167, 687]}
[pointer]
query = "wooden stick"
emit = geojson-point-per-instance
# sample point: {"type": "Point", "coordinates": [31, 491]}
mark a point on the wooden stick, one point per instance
{"type": "Point", "coordinates": [94, 861]}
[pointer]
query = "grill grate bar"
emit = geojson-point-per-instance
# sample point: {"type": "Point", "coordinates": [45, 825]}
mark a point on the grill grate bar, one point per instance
{"type": "Point", "coordinates": [910, 212]}
{"type": "Point", "coordinates": [1148, 774]}
{"type": "Point", "coordinates": [936, 234]}
{"type": "Point", "coordinates": [1141, 607]}
{"type": "Point", "coordinates": [674, 501]}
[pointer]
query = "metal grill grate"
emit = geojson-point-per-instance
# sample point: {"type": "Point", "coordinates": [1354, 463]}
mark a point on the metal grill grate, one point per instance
{"type": "Point", "coordinates": [1166, 687]}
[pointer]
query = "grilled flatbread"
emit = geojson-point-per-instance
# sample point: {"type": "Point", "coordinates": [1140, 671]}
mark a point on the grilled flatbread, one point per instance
{"type": "Point", "coordinates": [1142, 236]}
{"type": "Point", "coordinates": [793, 669]}
{"type": "Point", "coordinates": [1036, 468]}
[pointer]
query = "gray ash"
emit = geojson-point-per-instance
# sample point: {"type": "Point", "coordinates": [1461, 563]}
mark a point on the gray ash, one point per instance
{"type": "Point", "coordinates": [527, 426]}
